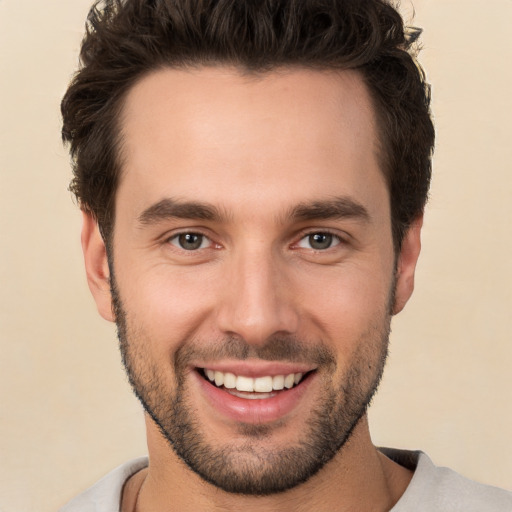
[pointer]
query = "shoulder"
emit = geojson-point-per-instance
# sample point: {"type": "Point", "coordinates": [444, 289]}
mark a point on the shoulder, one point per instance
{"type": "Point", "coordinates": [105, 495]}
{"type": "Point", "coordinates": [441, 489]}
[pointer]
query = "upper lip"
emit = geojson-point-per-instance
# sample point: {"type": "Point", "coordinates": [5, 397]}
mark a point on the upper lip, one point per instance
{"type": "Point", "coordinates": [256, 368]}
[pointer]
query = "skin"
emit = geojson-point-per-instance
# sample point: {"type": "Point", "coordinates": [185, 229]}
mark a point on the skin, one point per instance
{"type": "Point", "coordinates": [255, 148]}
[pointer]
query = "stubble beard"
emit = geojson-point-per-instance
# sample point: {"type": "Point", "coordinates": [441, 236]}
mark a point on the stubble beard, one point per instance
{"type": "Point", "coordinates": [248, 468]}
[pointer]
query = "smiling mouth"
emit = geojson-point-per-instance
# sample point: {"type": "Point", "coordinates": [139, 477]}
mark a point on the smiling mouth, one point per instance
{"type": "Point", "coordinates": [253, 388]}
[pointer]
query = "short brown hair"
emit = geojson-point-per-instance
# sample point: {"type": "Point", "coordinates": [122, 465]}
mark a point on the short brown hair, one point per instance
{"type": "Point", "coordinates": [126, 39]}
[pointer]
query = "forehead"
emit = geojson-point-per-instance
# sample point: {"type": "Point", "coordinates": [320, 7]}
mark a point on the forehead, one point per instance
{"type": "Point", "coordinates": [218, 134]}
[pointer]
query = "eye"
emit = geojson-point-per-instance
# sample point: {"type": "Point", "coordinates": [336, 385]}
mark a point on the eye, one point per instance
{"type": "Point", "coordinates": [190, 241]}
{"type": "Point", "coordinates": [319, 241]}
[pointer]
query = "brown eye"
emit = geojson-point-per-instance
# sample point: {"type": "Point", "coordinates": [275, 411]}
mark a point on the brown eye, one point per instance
{"type": "Point", "coordinates": [189, 241]}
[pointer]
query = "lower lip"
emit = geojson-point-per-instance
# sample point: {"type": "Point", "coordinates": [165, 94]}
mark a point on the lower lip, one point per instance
{"type": "Point", "coordinates": [254, 411]}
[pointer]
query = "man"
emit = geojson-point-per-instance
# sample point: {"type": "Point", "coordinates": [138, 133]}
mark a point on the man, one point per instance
{"type": "Point", "coordinates": [253, 177]}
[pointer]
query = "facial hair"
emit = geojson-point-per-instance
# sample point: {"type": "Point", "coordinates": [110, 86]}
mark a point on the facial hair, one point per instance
{"type": "Point", "coordinates": [249, 468]}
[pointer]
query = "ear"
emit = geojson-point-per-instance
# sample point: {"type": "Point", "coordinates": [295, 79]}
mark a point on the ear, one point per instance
{"type": "Point", "coordinates": [96, 266]}
{"type": "Point", "coordinates": [406, 264]}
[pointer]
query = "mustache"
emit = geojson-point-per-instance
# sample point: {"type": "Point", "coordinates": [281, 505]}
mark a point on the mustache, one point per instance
{"type": "Point", "coordinates": [276, 348]}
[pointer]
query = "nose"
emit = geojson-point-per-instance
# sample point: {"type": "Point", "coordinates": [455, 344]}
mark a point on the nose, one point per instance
{"type": "Point", "coordinates": [258, 299]}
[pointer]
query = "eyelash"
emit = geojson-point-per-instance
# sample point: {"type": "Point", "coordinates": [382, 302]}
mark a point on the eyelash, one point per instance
{"type": "Point", "coordinates": [334, 238]}
{"type": "Point", "coordinates": [177, 236]}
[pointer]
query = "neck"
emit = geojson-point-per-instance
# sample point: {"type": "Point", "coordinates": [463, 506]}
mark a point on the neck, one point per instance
{"type": "Point", "coordinates": [358, 478]}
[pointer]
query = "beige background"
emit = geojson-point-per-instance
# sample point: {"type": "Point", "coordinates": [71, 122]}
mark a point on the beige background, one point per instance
{"type": "Point", "coordinates": [66, 413]}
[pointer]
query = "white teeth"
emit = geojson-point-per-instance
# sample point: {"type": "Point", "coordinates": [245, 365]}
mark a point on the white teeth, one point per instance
{"type": "Point", "coordinates": [229, 380]}
{"type": "Point", "coordinates": [265, 384]}
{"type": "Point", "coordinates": [278, 382]}
{"type": "Point", "coordinates": [250, 396]}
{"type": "Point", "coordinates": [219, 378]}
{"type": "Point", "coordinates": [289, 381]}
{"type": "Point", "coordinates": [244, 383]}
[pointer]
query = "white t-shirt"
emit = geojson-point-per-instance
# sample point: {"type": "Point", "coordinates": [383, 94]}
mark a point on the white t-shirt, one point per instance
{"type": "Point", "coordinates": [432, 489]}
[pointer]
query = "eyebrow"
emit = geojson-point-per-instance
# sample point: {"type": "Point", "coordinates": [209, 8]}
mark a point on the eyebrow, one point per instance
{"type": "Point", "coordinates": [174, 209]}
{"type": "Point", "coordinates": [334, 208]}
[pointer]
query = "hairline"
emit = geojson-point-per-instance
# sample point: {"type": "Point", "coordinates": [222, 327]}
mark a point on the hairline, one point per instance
{"type": "Point", "coordinates": [252, 73]}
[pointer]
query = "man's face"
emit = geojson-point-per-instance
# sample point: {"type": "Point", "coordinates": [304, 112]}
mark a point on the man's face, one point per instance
{"type": "Point", "coordinates": [252, 250]}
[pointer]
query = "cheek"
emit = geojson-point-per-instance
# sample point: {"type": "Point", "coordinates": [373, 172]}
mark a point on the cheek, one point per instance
{"type": "Point", "coordinates": [346, 303]}
{"type": "Point", "coordinates": [168, 306]}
